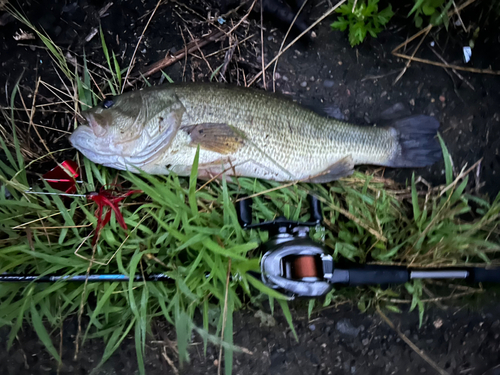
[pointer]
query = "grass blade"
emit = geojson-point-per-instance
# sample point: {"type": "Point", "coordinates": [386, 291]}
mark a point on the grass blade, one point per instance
{"type": "Point", "coordinates": [42, 333]}
{"type": "Point", "coordinates": [288, 317]}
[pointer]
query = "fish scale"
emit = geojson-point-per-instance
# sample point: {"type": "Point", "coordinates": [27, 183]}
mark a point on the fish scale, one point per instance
{"type": "Point", "coordinates": [252, 132]}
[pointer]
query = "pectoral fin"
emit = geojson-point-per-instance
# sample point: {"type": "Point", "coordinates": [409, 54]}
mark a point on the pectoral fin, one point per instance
{"type": "Point", "coordinates": [220, 138]}
{"type": "Point", "coordinates": [342, 168]}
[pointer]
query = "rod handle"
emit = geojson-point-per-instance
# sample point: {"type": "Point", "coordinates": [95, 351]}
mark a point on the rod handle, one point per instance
{"type": "Point", "coordinates": [484, 275]}
{"type": "Point", "coordinates": [380, 275]}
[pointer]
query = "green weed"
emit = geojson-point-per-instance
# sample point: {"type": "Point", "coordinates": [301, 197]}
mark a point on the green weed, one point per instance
{"type": "Point", "coordinates": [435, 11]}
{"type": "Point", "coordinates": [365, 18]}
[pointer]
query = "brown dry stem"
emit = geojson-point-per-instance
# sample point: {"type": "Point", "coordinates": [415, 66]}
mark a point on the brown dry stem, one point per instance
{"type": "Point", "coordinates": [411, 344]}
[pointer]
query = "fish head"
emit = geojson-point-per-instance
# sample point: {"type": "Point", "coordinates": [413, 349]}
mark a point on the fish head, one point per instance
{"type": "Point", "coordinates": [129, 129]}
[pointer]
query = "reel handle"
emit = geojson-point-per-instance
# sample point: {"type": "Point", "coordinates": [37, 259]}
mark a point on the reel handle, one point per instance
{"type": "Point", "coordinates": [244, 211]}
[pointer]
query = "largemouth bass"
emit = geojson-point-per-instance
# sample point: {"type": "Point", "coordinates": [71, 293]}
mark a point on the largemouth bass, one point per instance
{"type": "Point", "coordinates": [243, 132]}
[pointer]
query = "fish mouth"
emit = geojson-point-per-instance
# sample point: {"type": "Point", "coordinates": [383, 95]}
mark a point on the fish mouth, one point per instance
{"type": "Point", "coordinates": [86, 138]}
{"type": "Point", "coordinates": [91, 122]}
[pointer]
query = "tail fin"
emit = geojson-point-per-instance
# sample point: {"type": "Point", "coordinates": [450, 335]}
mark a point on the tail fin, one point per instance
{"type": "Point", "coordinates": [418, 143]}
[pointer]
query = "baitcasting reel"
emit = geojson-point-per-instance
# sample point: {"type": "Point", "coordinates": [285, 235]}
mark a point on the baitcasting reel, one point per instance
{"type": "Point", "coordinates": [296, 265]}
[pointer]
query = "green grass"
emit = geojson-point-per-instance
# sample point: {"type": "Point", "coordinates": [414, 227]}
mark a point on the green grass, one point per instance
{"type": "Point", "coordinates": [193, 235]}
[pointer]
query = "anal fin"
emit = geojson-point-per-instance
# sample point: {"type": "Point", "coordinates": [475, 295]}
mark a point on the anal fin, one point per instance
{"type": "Point", "coordinates": [341, 168]}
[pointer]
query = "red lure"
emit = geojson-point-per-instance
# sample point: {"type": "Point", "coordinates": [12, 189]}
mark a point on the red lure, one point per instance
{"type": "Point", "coordinates": [108, 198]}
{"type": "Point", "coordinates": [63, 178]}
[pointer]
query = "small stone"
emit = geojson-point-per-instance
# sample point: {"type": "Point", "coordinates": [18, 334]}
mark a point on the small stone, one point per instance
{"type": "Point", "coordinates": [412, 102]}
{"type": "Point", "coordinates": [423, 370]}
{"type": "Point", "coordinates": [365, 342]}
{"type": "Point", "coordinates": [442, 98]}
{"type": "Point", "coordinates": [266, 320]}
{"type": "Point", "coordinates": [277, 75]}
{"type": "Point", "coordinates": [216, 362]}
{"type": "Point", "coordinates": [312, 327]}
{"type": "Point", "coordinates": [328, 83]}
{"type": "Point", "coordinates": [311, 79]}
{"type": "Point", "coordinates": [303, 84]}
{"type": "Point", "coordinates": [438, 323]}
{"type": "Point", "coordinates": [384, 93]}
{"type": "Point", "coordinates": [285, 78]}
{"type": "Point", "coordinates": [346, 327]}
{"type": "Point", "coordinates": [340, 62]}
{"type": "Point", "coordinates": [433, 100]}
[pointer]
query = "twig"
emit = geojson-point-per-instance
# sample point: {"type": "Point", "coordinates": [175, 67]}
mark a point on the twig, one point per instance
{"type": "Point", "coordinates": [132, 60]}
{"type": "Point", "coordinates": [459, 177]}
{"type": "Point", "coordinates": [169, 361]}
{"type": "Point", "coordinates": [427, 29]}
{"type": "Point", "coordinates": [430, 62]}
{"type": "Point", "coordinates": [477, 177]}
{"type": "Point", "coordinates": [434, 299]}
{"type": "Point", "coordinates": [411, 344]}
{"type": "Point", "coordinates": [229, 54]}
{"type": "Point", "coordinates": [224, 317]}
{"type": "Point", "coordinates": [104, 9]}
{"type": "Point", "coordinates": [411, 39]}
{"type": "Point", "coordinates": [230, 45]}
{"type": "Point", "coordinates": [171, 59]}
{"type": "Point", "coordinates": [242, 19]}
{"type": "Point", "coordinates": [31, 120]}
{"type": "Point", "coordinates": [451, 66]}
{"type": "Point", "coordinates": [453, 70]}
{"type": "Point", "coordinates": [268, 191]}
{"type": "Point", "coordinates": [354, 5]}
{"type": "Point", "coordinates": [262, 44]}
{"type": "Point", "coordinates": [458, 14]}
{"type": "Point", "coordinates": [326, 14]}
{"type": "Point", "coordinates": [235, 10]}
{"type": "Point", "coordinates": [199, 49]}
{"type": "Point", "coordinates": [185, 52]}
{"type": "Point", "coordinates": [283, 42]}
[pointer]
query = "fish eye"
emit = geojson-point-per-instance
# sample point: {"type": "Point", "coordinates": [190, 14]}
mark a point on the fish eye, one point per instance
{"type": "Point", "coordinates": [107, 103]}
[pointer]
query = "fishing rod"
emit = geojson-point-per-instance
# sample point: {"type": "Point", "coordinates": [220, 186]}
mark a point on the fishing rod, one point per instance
{"type": "Point", "coordinates": [298, 266]}
{"type": "Point", "coordinates": [295, 264]}
{"type": "Point", "coordinates": [16, 278]}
